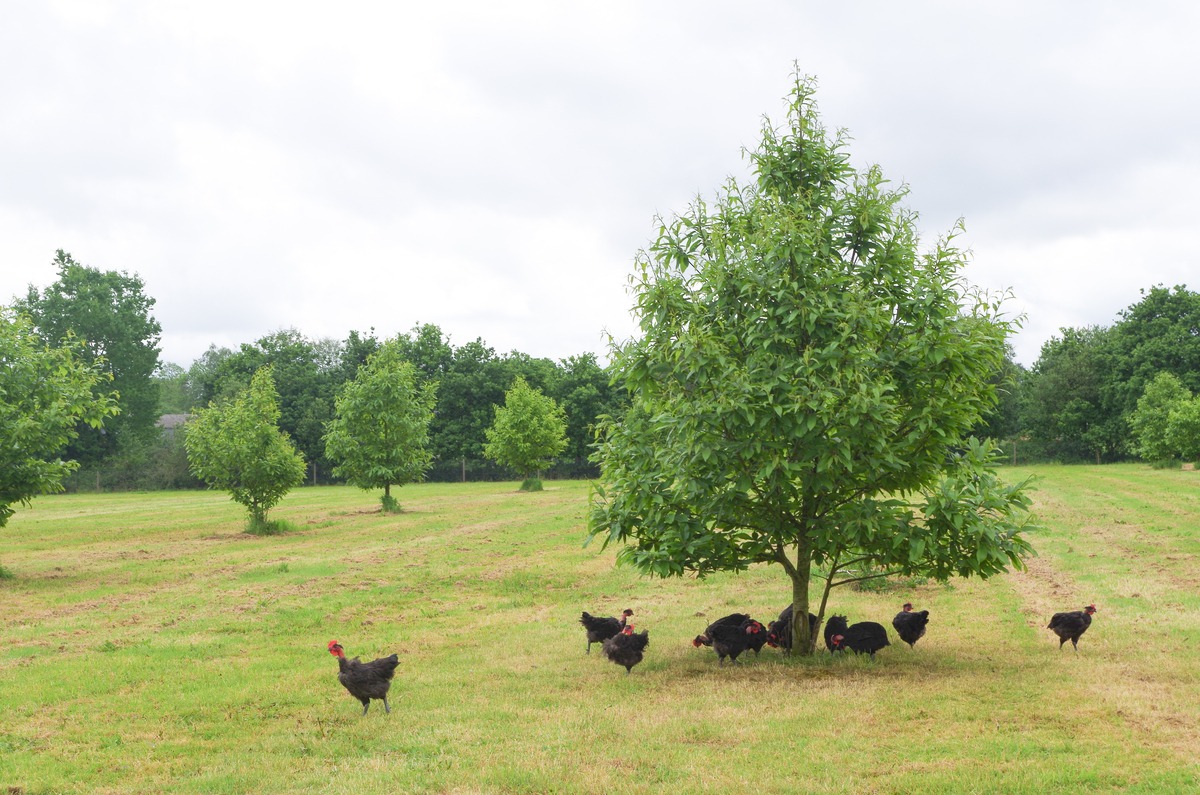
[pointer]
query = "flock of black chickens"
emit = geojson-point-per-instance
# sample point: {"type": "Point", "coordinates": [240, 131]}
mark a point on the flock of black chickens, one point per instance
{"type": "Point", "coordinates": [729, 637]}
{"type": "Point", "coordinates": [736, 633]}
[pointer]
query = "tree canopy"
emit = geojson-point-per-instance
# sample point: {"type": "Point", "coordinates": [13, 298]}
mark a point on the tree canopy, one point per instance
{"type": "Point", "coordinates": [804, 384]}
{"type": "Point", "coordinates": [109, 314]}
{"type": "Point", "coordinates": [46, 393]}
{"type": "Point", "coordinates": [1150, 422]}
{"type": "Point", "coordinates": [379, 434]}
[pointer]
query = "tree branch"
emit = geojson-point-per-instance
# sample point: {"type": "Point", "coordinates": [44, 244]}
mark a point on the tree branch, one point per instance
{"type": "Point", "coordinates": [861, 579]}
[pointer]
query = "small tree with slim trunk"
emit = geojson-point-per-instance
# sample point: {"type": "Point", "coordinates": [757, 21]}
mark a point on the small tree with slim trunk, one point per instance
{"type": "Point", "coordinates": [380, 427]}
{"type": "Point", "coordinates": [529, 431]}
{"type": "Point", "coordinates": [237, 446]}
{"type": "Point", "coordinates": [803, 386]}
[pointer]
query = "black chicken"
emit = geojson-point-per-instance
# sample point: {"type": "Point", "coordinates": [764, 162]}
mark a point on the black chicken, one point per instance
{"type": "Point", "coordinates": [365, 681]}
{"type": "Point", "coordinates": [601, 628]}
{"type": "Point", "coordinates": [732, 635]}
{"type": "Point", "coordinates": [865, 637]}
{"type": "Point", "coordinates": [833, 626]}
{"type": "Point", "coordinates": [910, 626]}
{"type": "Point", "coordinates": [626, 648]}
{"type": "Point", "coordinates": [779, 632]}
{"type": "Point", "coordinates": [1071, 626]}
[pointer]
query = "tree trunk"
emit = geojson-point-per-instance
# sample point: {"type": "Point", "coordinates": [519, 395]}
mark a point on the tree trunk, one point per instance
{"type": "Point", "coordinates": [387, 490]}
{"type": "Point", "coordinates": [802, 640]}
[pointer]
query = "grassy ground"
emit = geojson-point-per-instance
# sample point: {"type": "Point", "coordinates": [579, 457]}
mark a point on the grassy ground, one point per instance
{"type": "Point", "coordinates": [148, 645]}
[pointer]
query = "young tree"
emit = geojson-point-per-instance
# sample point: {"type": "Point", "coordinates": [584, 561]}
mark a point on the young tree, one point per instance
{"type": "Point", "coordinates": [237, 446]}
{"type": "Point", "coordinates": [529, 431]}
{"type": "Point", "coordinates": [1150, 422]}
{"type": "Point", "coordinates": [110, 314]}
{"type": "Point", "coordinates": [380, 429]}
{"type": "Point", "coordinates": [803, 386]}
{"type": "Point", "coordinates": [46, 392]}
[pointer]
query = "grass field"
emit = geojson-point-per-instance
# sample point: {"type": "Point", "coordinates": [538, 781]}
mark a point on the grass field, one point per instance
{"type": "Point", "coordinates": [148, 645]}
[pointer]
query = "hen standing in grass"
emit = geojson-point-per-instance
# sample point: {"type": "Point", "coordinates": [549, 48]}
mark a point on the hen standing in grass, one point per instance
{"type": "Point", "coordinates": [365, 681]}
{"type": "Point", "coordinates": [1071, 626]}
{"type": "Point", "coordinates": [626, 648]}
{"type": "Point", "coordinates": [601, 628]}
{"type": "Point", "coordinates": [732, 635]}
{"type": "Point", "coordinates": [910, 626]}
{"type": "Point", "coordinates": [865, 637]}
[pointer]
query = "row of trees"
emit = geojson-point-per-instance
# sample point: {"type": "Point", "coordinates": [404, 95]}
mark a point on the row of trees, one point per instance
{"type": "Point", "coordinates": [50, 394]}
{"type": "Point", "coordinates": [471, 380]}
{"type": "Point", "coordinates": [378, 437]}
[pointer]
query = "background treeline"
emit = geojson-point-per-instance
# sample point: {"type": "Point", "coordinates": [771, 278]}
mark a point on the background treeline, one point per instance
{"type": "Point", "coordinates": [472, 379]}
{"type": "Point", "coordinates": [1075, 404]}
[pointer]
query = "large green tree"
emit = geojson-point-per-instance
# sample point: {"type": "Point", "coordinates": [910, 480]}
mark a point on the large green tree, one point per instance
{"type": "Point", "coordinates": [529, 430]}
{"type": "Point", "coordinates": [379, 434]}
{"type": "Point", "coordinates": [803, 386]}
{"type": "Point", "coordinates": [1064, 407]}
{"type": "Point", "coordinates": [110, 313]}
{"type": "Point", "coordinates": [236, 446]}
{"type": "Point", "coordinates": [46, 393]}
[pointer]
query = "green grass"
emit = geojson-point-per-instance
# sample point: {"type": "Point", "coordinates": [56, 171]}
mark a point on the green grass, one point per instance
{"type": "Point", "coordinates": [148, 644]}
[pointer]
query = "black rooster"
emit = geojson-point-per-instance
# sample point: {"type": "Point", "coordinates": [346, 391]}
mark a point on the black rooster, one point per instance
{"type": "Point", "coordinates": [732, 635]}
{"type": "Point", "coordinates": [601, 628]}
{"type": "Point", "coordinates": [779, 632]}
{"type": "Point", "coordinates": [365, 681]}
{"type": "Point", "coordinates": [865, 637]}
{"type": "Point", "coordinates": [1071, 626]}
{"type": "Point", "coordinates": [910, 626]}
{"type": "Point", "coordinates": [626, 648]}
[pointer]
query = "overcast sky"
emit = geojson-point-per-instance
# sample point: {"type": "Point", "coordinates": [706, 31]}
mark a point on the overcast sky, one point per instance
{"type": "Point", "coordinates": [493, 168]}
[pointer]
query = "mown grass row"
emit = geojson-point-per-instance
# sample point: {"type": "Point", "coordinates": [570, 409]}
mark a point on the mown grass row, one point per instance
{"type": "Point", "coordinates": [148, 645]}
